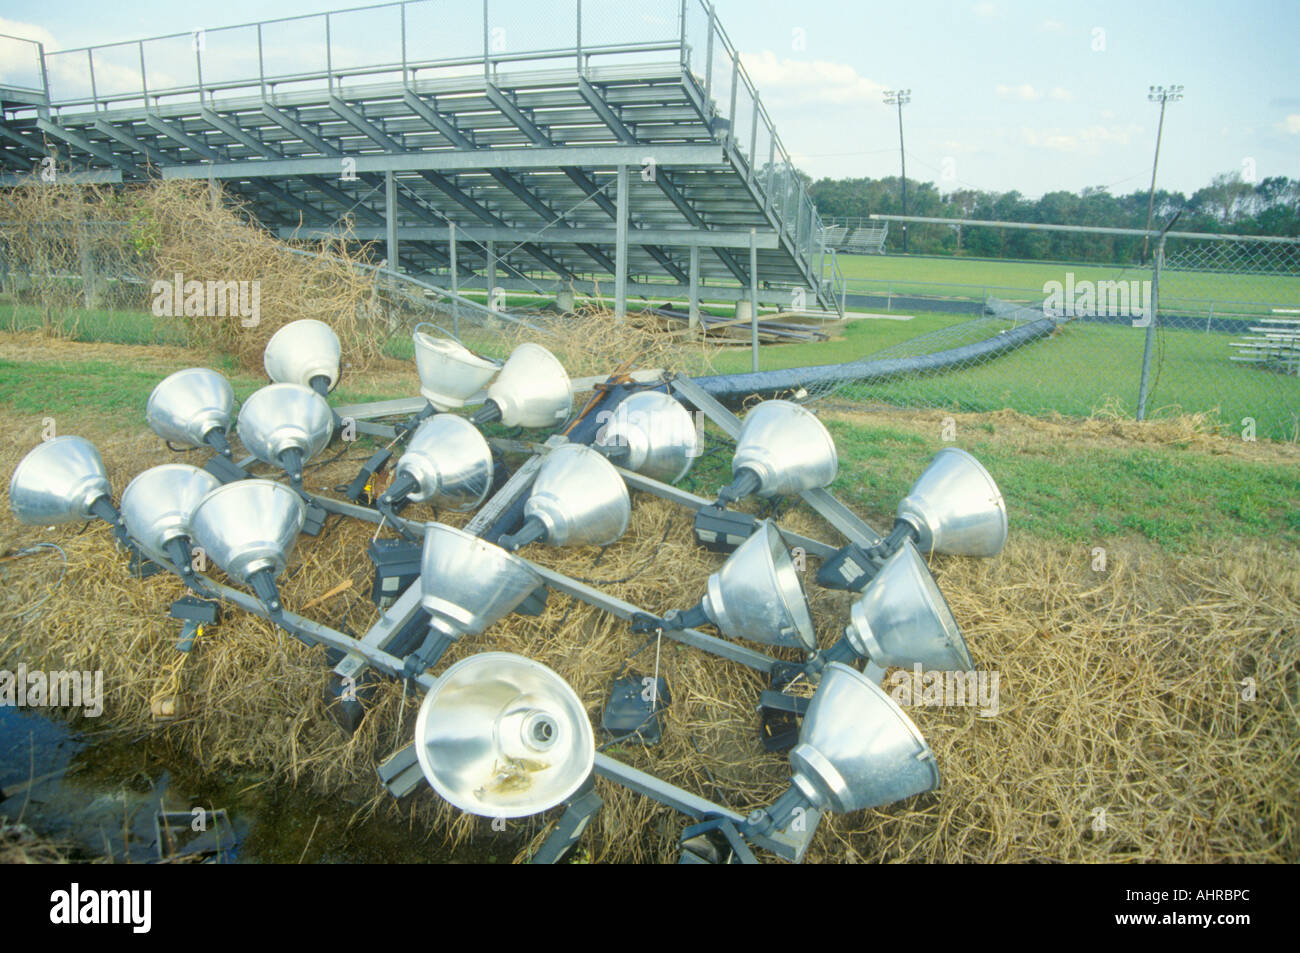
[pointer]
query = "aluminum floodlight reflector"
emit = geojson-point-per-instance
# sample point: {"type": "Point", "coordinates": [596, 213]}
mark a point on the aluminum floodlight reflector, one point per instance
{"type": "Point", "coordinates": [61, 481]}
{"type": "Point", "coordinates": [533, 390]}
{"type": "Point", "coordinates": [305, 352]}
{"type": "Point", "coordinates": [192, 407]}
{"type": "Point", "coordinates": [450, 373]}
{"type": "Point", "coordinates": [500, 735]}
{"type": "Point", "coordinates": [955, 507]}
{"type": "Point", "coordinates": [650, 432]}
{"type": "Point", "coordinates": [782, 450]}
{"type": "Point", "coordinates": [578, 499]}
{"type": "Point", "coordinates": [157, 507]}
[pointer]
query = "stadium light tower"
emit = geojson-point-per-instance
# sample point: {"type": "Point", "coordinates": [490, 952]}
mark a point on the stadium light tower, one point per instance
{"type": "Point", "coordinates": [1162, 95]}
{"type": "Point", "coordinates": [900, 98]}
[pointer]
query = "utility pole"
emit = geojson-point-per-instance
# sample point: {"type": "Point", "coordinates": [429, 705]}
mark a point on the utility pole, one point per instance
{"type": "Point", "coordinates": [900, 98]}
{"type": "Point", "coordinates": [1162, 95]}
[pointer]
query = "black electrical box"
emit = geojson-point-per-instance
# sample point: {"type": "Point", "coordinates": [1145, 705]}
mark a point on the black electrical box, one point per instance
{"type": "Point", "coordinates": [779, 713]}
{"type": "Point", "coordinates": [635, 708]}
{"type": "Point", "coordinates": [397, 565]}
{"type": "Point", "coordinates": [722, 530]}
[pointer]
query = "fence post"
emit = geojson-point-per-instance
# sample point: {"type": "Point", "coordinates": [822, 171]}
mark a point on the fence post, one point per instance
{"type": "Point", "coordinates": [620, 247]}
{"type": "Point", "coordinates": [708, 64]}
{"type": "Point", "coordinates": [753, 298]}
{"type": "Point", "coordinates": [455, 278]}
{"type": "Point", "coordinates": [1148, 347]}
{"type": "Point", "coordinates": [88, 284]}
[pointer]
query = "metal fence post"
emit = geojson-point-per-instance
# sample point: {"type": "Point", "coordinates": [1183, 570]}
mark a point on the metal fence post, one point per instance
{"type": "Point", "coordinates": [578, 43]}
{"type": "Point", "coordinates": [390, 227]}
{"type": "Point", "coordinates": [708, 63]}
{"type": "Point", "coordinates": [1149, 346]}
{"type": "Point", "coordinates": [693, 309]}
{"type": "Point", "coordinates": [753, 298]}
{"type": "Point", "coordinates": [620, 246]}
{"type": "Point", "coordinates": [455, 279]}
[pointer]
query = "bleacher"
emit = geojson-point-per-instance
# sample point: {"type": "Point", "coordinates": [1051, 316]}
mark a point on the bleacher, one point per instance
{"type": "Point", "coordinates": [1273, 343]}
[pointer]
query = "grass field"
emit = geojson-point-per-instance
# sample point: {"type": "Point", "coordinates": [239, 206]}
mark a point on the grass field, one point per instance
{"type": "Point", "coordinates": [1082, 369]}
{"type": "Point", "coordinates": [976, 278]}
{"type": "Point", "coordinates": [1174, 494]}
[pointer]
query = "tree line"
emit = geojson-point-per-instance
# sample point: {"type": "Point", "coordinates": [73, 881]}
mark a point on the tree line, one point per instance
{"type": "Point", "coordinates": [1227, 205]}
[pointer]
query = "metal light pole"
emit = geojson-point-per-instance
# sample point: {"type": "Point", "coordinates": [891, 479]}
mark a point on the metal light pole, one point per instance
{"type": "Point", "coordinates": [900, 98]}
{"type": "Point", "coordinates": [1162, 95]}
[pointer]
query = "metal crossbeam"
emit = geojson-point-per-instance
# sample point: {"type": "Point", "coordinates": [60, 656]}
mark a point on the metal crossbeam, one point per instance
{"type": "Point", "coordinates": [448, 161]}
{"type": "Point", "coordinates": [560, 235]}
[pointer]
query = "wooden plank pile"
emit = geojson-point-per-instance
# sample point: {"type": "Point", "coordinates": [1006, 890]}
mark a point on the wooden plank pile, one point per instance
{"type": "Point", "coordinates": [780, 328]}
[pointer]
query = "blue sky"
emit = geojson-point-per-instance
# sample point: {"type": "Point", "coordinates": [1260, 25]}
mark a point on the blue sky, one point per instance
{"type": "Point", "coordinates": [1030, 96]}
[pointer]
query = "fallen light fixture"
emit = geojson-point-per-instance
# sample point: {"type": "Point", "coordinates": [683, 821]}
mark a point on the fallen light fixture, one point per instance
{"type": "Point", "coordinates": [286, 425]}
{"type": "Point", "coordinates": [248, 528]}
{"type": "Point", "coordinates": [901, 619]}
{"type": "Point", "coordinates": [953, 508]}
{"type": "Point", "coordinates": [447, 463]}
{"type": "Point", "coordinates": [305, 352]}
{"type": "Point", "coordinates": [533, 390]}
{"type": "Point", "coordinates": [756, 595]}
{"type": "Point", "coordinates": [62, 481]}
{"type": "Point", "coordinates": [857, 750]}
{"type": "Point", "coordinates": [466, 585]}
{"type": "Point", "coordinates": [157, 507]}
{"type": "Point", "coordinates": [578, 499]}
{"type": "Point", "coordinates": [450, 373]}
{"type": "Point", "coordinates": [500, 735]}
{"type": "Point", "coordinates": [783, 449]}
{"type": "Point", "coordinates": [193, 407]}
{"type": "Point", "coordinates": [650, 432]}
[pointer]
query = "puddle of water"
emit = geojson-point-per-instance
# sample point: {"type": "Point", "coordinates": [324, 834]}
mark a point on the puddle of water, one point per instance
{"type": "Point", "coordinates": [101, 794]}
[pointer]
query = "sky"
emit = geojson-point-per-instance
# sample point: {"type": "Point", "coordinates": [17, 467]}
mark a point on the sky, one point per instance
{"type": "Point", "coordinates": [1005, 95]}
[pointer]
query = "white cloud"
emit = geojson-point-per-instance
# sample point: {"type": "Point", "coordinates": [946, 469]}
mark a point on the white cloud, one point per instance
{"type": "Point", "coordinates": [1291, 124]}
{"type": "Point", "coordinates": [29, 31]}
{"type": "Point", "coordinates": [1052, 26]}
{"type": "Point", "coordinates": [19, 61]}
{"type": "Point", "coordinates": [1087, 140]}
{"type": "Point", "coordinates": [985, 8]}
{"type": "Point", "coordinates": [1024, 93]}
{"type": "Point", "coordinates": [1060, 94]}
{"type": "Point", "coordinates": [808, 81]}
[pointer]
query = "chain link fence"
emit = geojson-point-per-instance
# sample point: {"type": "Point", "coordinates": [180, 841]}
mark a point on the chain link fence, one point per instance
{"type": "Point", "coordinates": [1208, 327]}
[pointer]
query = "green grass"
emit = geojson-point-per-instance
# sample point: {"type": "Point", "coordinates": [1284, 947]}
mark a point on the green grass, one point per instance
{"type": "Point", "coordinates": [47, 389]}
{"type": "Point", "coordinates": [1178, 289]}
{"type": "Point", "coordinates": [1175, 497]}
{"type": "Point", "coordinates": [102, 324]}
{"type": "Point", "coordinates": [1080, 370]}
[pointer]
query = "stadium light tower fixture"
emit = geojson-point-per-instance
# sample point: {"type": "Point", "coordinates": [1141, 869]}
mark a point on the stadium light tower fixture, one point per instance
{"type": "Point", "coordinates": [900, 98]}
{"type": "Point", "coordinates": [1162, 95]}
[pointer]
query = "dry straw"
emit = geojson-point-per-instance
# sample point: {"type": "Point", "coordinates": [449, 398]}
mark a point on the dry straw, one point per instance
{"type": "Point", "coordinates": [1127, 728]}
